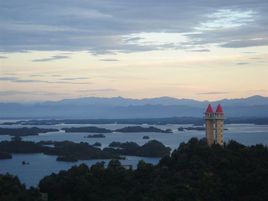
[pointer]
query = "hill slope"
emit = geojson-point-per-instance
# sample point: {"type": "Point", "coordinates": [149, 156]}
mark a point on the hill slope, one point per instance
{"type": "Point", "coordinates": [118, 107]}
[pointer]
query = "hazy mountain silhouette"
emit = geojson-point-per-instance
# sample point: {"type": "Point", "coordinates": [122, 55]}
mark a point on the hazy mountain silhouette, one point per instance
{"type": "Point", "coordinates": [118, 107]}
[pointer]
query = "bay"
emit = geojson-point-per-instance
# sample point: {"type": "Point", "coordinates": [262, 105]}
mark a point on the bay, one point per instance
{"type": "Point", "coordinates": [41, 165]}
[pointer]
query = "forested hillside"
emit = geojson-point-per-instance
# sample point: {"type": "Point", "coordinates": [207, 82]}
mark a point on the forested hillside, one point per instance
{"type": "Point", "coordinates": [193, 172]}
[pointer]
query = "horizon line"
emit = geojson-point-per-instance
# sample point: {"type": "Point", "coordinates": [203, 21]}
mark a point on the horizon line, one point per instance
{"type": "Point", "coordinates": [138, 99]}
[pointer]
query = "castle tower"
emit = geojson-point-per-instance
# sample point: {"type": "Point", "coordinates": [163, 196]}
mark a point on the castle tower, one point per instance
{"type": "Point", "coordinates": [209, 120]}
{"type": "Point", "coordinates": [219, 123]}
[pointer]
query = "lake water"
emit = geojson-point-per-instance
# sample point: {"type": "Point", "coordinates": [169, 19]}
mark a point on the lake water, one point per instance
{"type": "Point", "coordinates": [41, 165]}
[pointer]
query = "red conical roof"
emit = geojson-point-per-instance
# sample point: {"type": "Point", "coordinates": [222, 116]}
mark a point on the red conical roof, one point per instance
{"type": "Point", "coordinates": [209, 109]}
{"type": "Point", "coordinates": [219, 109]}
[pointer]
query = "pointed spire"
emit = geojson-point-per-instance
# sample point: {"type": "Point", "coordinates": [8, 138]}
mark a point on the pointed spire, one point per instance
{"type": "Point", "coordinates": [219, 109]}
{"type": "Point", "coordinates": [209, 109]}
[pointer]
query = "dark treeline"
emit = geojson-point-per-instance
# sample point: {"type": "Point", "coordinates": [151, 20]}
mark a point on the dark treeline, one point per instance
{"type": "Point", "coordinates": [133, 129]}
{"type": "Point", "coordinates": [128, 129]}
{"type": "Point", "coordinates": [193, 172]}
{"type": "Point", "coordinates": [88, 129]}
{"type": "Point", "coordinates": [5, 155]}
{"type": "Point", "coordinates": [95, 136]}
{"type": "Point", "coordinates": [12, 190]}
{"type": "Point", "coordinates": [198, 122]}
{"type": "Point", "coordinates": [150, 121]}
{"type": "Point", "coordinates": [71, 151]}
{"type": "Point", "coordinates": [152, 148]}
{"type": "Point", "coordinates": [19, 132]}
{"type": "Point", "coordinates": [25, 131]}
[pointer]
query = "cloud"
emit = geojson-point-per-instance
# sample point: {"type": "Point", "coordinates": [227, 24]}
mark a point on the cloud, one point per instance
{"type": "Point", "coordinates": [133, 39]}
{"type": "Point", "coordinates": [19, 80]}
{"type": "Point", "coordinates": [243, 63]}
{"type": "Point", "coordinates": [246, 43]}
{"type": "Point", "coordinates": [255, 58]}
{"type": "Point", "coordinates": [36, 75]}
{"type": "Point", "coordinates": [201, 50]}
{"type": "Point", "coordinates": [109, 60]}
{"type": "Point", "coordinates": [213, 93]}
{"type": "Point", "coordinates": [249, 52]}
{"type": "Point", "coordinates": [75, 78]}
{"type": "Point", "coordinates": [100, 27]}
{"type": "Point", "coordinates": [53, 58]}
{"type": "Point", "coordinates": [98, 90]}
{"type": "Point", "coordinates": [8, 78]}
{"type": "Point", "coordinates": [226, 19]}
{"type": "Point", "coordinates": [82, 13]}
{"type": "Point", "coordinates": [38, 93]}
{"type": "Point", "coordinates": [257, 91]}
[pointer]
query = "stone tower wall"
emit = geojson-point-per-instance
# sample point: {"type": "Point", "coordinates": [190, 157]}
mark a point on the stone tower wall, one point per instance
{"type": "Point", "coordinates": [219, 125]}
{"type": "Point", "coordinates": [209, 128]}
{"type": "Point", "coordinates": [209, 132]}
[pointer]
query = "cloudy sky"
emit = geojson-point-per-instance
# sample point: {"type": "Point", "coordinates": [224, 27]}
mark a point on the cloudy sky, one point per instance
{"type": "Point", "coordinates": [201, 49]}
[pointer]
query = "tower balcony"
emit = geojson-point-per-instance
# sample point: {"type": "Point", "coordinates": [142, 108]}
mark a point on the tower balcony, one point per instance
{"type": "Point", "coordinates": [209, 116]}
{"type": "Point", "coordinates": [219, 116]}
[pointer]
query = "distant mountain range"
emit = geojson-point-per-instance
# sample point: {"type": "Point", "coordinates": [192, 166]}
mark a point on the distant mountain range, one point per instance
{"type": "Point", "coordinates": [118, 107]}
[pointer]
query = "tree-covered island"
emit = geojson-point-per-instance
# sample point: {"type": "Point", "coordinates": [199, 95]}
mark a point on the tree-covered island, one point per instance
{"type": "Point", "coordinates": [25, 131]}
{"type": "Point", "coordinates": [128, 129]}
{"type": "Point", "coordinates": [71, 151]}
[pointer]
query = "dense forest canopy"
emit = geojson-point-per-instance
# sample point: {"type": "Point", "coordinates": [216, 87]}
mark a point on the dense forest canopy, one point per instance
{"type": "Point", "coordinates": [194, 171]}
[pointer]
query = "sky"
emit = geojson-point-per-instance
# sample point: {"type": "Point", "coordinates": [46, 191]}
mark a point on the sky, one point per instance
{"type": "Point", "coordinates": [199, 49]}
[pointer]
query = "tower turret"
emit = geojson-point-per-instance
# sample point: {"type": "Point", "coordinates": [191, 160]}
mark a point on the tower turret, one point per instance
{"type": "Point", "coordinates": [219, 123]}
{"type": "Point", "coordinates": [209, 120]}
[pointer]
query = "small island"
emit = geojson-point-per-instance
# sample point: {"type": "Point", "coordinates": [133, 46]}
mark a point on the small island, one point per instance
{"type": "Point", "coordinates": [88, 129]}
{"type": "Point", "coordinates": [71, 151]}
{"type": "Point", "coordinates": [16, 138]}
{"type": "Point", "coordinates": [78, 151]}
{"type": "Point", "coordinates": [95, 136]}
{"type": "Point", "coordinates": [5, 155]}
{"type": "Point", "coordinates": [193, 128]}
{"type": "Point", "coordinates": [25, 131]}
{"type": "Point", "coordinates": [136, 129]}
{"type": "Point", "coordinates": [152, 148]}
{"type": "Point", "coordinates": [64, 150]}
{"type": "Point", "coordinates": [128, 129]}
{"type": "Point", "coordinates": [68, 158]}
{"type": "Point", "coordinates": [97, 144]}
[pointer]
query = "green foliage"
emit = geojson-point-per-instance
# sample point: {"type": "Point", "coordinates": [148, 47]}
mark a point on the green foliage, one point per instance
{"type": "Point", "coordinates": [25, 131]}
{"type": "Point", "coordinates": [71, 151]}
{"type": "Point", "coordinates": [12, 190]}
{"type": "Point", "coordinates": [66, 150]}
{"type": "Point", "coordinates": [152, 148]}
{"type": "Point", "coordinates": [5, 155]}
{"type": "Point", "coordinates": [20, 147]}
{"type": "Point", "coordinates": [128, 129]}
{"type": "Point", "coordinates": [88, 129]}
{"type": "Point", "coordinates": [134, 129]}
{"type": "Point", "coordinates": [193, 172]}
